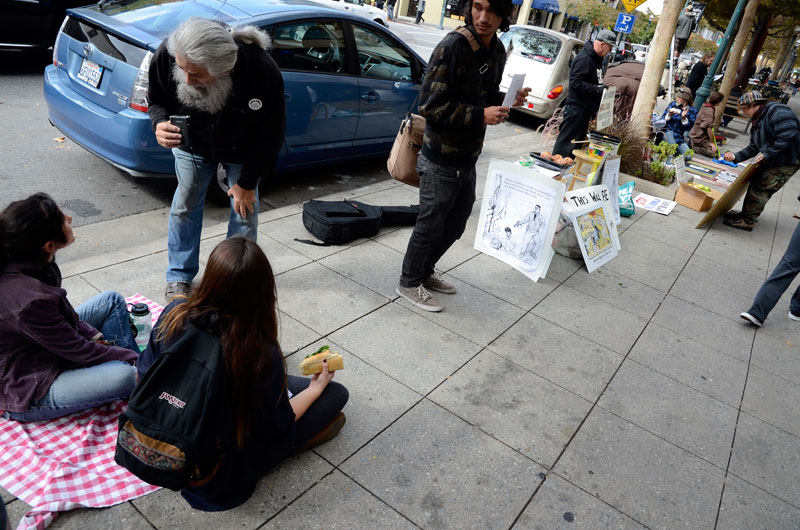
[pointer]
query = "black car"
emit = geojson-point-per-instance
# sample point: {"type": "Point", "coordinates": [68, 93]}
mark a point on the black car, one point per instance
{"type": "Point", "coordinates": [32, 24]}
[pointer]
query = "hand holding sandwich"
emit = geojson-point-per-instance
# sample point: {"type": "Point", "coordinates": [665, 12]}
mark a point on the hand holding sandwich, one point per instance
{"type": "Point", "coordinates": [300, 402]}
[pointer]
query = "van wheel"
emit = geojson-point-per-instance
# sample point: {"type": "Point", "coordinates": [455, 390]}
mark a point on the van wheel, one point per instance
{"type": "Point", "coordinates": [218, 189]}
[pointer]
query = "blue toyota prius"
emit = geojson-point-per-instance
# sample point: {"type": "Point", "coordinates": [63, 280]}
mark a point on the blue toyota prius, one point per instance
{"type": "Point", "coordinates": [348, 81]}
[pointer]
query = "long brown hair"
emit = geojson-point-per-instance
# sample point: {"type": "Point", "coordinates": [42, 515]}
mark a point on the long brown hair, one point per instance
{"type": "Point", "coordinates": [239, 287]}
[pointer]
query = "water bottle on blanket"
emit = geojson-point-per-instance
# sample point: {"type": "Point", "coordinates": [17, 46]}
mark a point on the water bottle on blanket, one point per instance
{"type": "Point", "coordinates": [143, 322]}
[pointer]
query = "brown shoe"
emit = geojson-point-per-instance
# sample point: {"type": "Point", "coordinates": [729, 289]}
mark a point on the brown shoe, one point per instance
{"type": "Point", "coordinates": [733, 214]}
{"type": "Point", "coordinates": [741, 224]}
{"type": "Point", "coordinates": [327, 434]}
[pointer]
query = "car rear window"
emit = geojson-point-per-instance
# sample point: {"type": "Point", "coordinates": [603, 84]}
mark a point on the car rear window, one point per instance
{"type": "Point", "coordinates": [106, 42]}
{"type": "Point", "coordinates": [534, 45]}
{"type": "Point", "coordinates": [160, 18]}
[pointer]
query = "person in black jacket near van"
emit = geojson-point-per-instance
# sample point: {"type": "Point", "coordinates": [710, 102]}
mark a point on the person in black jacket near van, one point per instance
{"type": "Point", "coordinates": [585, 90]}
{"type": "Point", "coordinates": [230, 88]}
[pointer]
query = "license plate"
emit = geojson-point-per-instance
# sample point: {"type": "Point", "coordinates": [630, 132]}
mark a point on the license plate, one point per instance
{"type": "Point", "coordinates": [90, 73]}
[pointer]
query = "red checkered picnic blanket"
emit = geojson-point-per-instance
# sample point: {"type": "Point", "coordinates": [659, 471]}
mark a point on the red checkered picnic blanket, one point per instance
{"type": "Point", "coordinates": [68, 462]}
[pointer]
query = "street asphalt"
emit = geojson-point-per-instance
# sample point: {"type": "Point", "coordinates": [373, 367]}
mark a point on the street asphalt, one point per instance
{"type": "Point", "coordinates": [632, 397]}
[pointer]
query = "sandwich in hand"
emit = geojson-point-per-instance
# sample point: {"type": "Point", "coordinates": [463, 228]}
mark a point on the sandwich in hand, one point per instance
{"type": "Point", "coordinates": [312, 364]}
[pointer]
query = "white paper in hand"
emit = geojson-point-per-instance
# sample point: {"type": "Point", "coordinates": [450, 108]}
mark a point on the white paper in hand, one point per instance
{"type": "Point", "coordinates": [517, 80]}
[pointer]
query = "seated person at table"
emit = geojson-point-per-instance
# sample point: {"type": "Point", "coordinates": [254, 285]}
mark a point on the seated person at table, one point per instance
{"type": "Point", "coordinates": [702, 134]}
{"type": "Point", "coordinates": [236, 299]}
{"type": "Point", "coordinates": [679, 116]}
{"type": "Point", "coordinates": [54, 360]}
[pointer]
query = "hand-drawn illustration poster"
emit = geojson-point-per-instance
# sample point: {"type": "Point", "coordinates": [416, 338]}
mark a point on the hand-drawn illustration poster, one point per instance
{"type": "Point", "coordinates": [599, 195]}
{"type": "Point", "coordinates": [594, 235]}
{"type": "Point", "coordinates": [519, 213]}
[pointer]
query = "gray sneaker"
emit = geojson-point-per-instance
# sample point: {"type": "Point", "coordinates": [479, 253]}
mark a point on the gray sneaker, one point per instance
{"type": "Point", "coordinates": [753, 320]}
{"type": "Point", "coordinates": [420, 297]}
{"type": "Point", "coordinates": [436, 283]}
{"type": "Point", "coordinates": [794, 317]}
{"type": "Point", "coordinates": [176, 289]}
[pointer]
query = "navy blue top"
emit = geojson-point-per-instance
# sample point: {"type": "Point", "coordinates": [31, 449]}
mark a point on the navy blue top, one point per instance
{"type": "Point", "coordinates": [272, 436]}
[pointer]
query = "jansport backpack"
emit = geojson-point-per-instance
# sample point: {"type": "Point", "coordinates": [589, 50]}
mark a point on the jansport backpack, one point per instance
{"type": "Point", "coordinates": [176, 414]}
{"type": "Point", "coordinates": [339, 222]}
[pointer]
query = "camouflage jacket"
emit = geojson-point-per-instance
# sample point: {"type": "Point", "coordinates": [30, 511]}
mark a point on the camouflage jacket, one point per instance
{"type": "Point", "coordinates": [458, 85]}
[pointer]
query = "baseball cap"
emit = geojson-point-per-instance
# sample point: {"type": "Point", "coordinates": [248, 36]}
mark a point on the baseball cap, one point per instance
{"type": "Point", "coordinates": [751, 98]}
{"type": "Point", "coordinates": [684, 93]}
{"type": "Point", "coordinates": [606, 36]}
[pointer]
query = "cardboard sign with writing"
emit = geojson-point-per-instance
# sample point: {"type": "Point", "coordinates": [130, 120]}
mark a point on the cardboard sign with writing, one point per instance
{"type": "Point", "coordinates": [605, 115]}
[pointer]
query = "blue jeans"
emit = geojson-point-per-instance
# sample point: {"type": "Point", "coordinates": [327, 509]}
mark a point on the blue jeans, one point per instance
{"type": "Point", "coordinates": [446, 196]}
{"type": "Point", "coordinates": [186, 214]}
{"type": "Point", "coordinates": [84, 388]}
{"type": "Point", "coordinates": [780, 279]}
{"type": "Point", "coordinates": [669, 136]}
{"type": "Point", "coordinates": [108, 313]}
{"type": "Point", "coordinates": [390, 12]}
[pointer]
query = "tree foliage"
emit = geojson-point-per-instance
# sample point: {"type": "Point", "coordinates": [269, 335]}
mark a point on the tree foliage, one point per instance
{"type": "Point", "coordinates": [597, 13]}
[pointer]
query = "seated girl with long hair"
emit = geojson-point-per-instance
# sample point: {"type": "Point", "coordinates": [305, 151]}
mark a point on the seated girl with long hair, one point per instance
{"type": "Point", "coordinates": [236, 299]}
{"type": "Point", "coordinates": [54, 360]}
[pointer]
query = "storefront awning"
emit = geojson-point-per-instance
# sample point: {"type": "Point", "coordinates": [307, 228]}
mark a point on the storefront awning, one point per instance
{"type": "Point", "coordinates": [546, 5]}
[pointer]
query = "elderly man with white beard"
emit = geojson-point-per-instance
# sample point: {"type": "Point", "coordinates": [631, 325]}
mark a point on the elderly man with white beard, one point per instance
{"type": "Point", "coordinates": [231, 90]}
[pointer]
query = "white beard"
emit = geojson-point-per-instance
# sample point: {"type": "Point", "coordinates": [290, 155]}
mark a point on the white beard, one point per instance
{"type": "Point", "coordinates": [210, 98]}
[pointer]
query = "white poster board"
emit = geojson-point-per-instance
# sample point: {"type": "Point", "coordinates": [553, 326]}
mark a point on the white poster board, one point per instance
{"type": "Point", "coordinates": [519, 214]}
{"type": "Point", "coordinates": [611, 180]}
{"type": "Point", "coordinates": [594, 235]}
{"type": "Point", "coordinates": [605, 114]}
{"type": "Point", "coordinates": [599, 195]}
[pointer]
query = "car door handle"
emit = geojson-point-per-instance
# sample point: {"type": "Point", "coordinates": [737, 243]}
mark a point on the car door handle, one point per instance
{"type": "Point", "coordinates": [287, 96]}
{"type": "Point", "coordinates": [370, 96]}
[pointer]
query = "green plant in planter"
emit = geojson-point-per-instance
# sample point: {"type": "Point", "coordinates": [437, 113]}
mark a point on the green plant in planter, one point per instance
{"type": "Point", "coordinates": [662, 152]}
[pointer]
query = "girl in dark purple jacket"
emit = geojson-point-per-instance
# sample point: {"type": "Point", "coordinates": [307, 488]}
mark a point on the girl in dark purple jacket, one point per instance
{"type": "Point", "coordinates": [54, 360]}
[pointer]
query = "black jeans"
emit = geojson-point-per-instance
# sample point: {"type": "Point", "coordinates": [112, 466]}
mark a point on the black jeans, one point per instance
{"type": "Point", "coordinates": [446, 196]}
{"type": "Point", "coordinates": [573, 126]}
{"type": "Point", "coordinates": [321, 412]}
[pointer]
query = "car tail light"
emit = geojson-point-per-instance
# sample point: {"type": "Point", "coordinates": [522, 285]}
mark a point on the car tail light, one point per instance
{"type": "Point", "coordinates": [58, 39]}
{"type": "Point", "coordinates": [138, 99]}
{"type": "Point", "coordinates": [553, 94]}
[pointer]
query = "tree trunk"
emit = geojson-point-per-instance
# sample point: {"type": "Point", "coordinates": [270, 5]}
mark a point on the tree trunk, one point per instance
{"type": "Point", "coordinates": [734, 56]}
{"type": "Point", "coordinates": [783, 51]}
{"type": "Point", "coordinates": [654, 66]}
{"type": "Point", "coordinates": [748, 62]}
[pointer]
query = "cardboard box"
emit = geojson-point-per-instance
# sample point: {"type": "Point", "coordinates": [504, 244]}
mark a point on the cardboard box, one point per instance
{"type": "Point", "coordinates": [694, 198]}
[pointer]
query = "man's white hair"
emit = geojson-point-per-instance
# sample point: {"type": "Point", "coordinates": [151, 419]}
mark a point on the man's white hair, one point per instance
{"type": "Point", "coordinates": [213, 45]}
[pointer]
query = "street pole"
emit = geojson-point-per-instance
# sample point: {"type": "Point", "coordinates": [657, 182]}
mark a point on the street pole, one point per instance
{"type": "Point", "coordinates": [705, 90]}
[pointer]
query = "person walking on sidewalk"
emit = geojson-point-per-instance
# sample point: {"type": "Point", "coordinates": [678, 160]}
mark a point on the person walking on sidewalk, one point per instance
{"type": "Point", "coordinates": [781, 278]}
{"type": "Point", "coordinates": [230, 88]}
{"type": "Point", "coordinates": [684, 29]}
{"type": "Point", "coordinates": [585, 90]}
{"type": "Point", "coordinates": [775, 143]}
{"type": "Point", "coordinates": [459, 97]}
{"type": "Point", "coordinates": [420, 11]}
{"type": "Point", "coordinates": [699, 72]}
{"type": "Point", "coordinates": [390, 9]}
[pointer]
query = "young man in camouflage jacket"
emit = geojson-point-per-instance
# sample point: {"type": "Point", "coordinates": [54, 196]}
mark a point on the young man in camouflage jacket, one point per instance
{"type": "Point", "coordinates": [459, 98]}
{"type": "Point", "coordinates": [775, 143]}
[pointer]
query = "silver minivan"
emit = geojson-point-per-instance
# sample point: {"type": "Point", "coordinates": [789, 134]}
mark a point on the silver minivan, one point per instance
{"type": "Point", "coordinates": [544, 56]}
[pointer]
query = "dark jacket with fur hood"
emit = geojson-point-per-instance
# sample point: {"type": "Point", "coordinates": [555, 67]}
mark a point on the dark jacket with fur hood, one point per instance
{"type": "Point", "coordinates": [249, 130]}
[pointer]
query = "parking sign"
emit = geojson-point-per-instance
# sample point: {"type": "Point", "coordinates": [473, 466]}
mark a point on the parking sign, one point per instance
{"type": "Point", "coordinates": [624, 23]}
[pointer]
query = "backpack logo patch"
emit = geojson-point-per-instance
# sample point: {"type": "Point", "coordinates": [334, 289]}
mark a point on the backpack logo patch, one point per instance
{"type": "Point", "coordinates": [172, 400]}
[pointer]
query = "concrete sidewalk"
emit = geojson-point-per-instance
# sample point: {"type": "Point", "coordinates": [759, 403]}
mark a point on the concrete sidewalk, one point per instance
{"type": "Point", "coordinates": [633, 397]}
